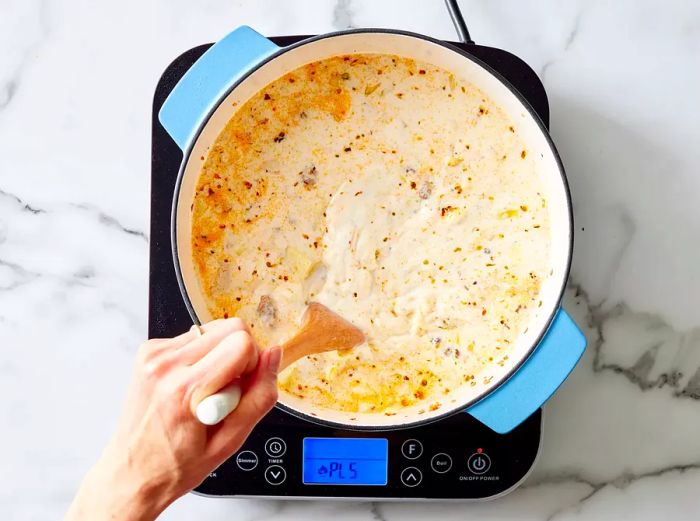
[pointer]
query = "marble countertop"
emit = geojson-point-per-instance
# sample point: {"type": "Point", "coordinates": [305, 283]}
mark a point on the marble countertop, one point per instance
{"type": "Point", "coordinates": [622, 436]}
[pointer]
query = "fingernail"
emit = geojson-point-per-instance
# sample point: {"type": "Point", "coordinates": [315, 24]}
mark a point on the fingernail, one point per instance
{"type": "Point", "coordinates": [274, 359]}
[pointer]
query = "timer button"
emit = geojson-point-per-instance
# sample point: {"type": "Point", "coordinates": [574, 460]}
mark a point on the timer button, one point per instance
{"type": "Point", "coordinates": [411, 476]}
{"type": "Point", "coordinates": [247, 460]}
{"type": "Point", "coordinates": [275, 447]}
{"type": "Point", "coordinates": [411, 449]}
{"type": "Point", "coordinates": [479, 463]}
{"type": "Point", "coordinates": [441, 463]}
{"type": "Point", "coordinates": [275, 475]}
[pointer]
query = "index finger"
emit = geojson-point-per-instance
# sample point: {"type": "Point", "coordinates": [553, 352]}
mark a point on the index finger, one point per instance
{"type": "Point", "coordinates": [234, 356]}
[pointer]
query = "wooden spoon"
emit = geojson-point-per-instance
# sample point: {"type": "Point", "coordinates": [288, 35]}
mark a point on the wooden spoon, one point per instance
{"type": "Point", "coordinates": [321, 330]}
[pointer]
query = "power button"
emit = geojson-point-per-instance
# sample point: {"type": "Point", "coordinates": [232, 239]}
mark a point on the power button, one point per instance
{"type": "Point", "coordinates": [479, 463]}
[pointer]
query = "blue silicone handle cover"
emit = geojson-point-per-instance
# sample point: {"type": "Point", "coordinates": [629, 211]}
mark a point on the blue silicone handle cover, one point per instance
{"type": "Point", "coordinates": [536, 380]}
{"type": "Point", "coordinates": [209, 78]}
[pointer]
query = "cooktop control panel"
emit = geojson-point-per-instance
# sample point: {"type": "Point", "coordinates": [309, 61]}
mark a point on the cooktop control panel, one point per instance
{"type": "Point", "coordinates": [455, 458]}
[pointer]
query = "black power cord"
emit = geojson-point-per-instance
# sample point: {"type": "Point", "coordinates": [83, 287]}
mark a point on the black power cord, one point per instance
{"type": "Point", "coordinates": [458, 21]}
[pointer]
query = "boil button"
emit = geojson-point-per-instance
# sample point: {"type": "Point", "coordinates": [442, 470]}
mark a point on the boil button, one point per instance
{"type": "Point", "coordinates": [441, 463]}
{"type": "Point", "coordinates": [479, 463]}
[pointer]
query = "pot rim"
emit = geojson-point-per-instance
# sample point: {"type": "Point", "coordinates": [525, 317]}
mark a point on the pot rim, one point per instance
{"type": "Point", "coordinates": [535, 117]}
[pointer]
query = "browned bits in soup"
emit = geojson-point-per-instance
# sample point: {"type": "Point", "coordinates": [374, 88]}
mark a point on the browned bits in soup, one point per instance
{"type": "Point", "coordinates": [426, 188]}
{"type": "Point", "coordinates": [309, 176]}
{"type": "Point", "coordinates": [267, 311]}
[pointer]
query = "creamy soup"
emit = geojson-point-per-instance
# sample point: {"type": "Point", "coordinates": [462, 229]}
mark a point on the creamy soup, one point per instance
{"type": "Point", "coordinates": [396, 194]}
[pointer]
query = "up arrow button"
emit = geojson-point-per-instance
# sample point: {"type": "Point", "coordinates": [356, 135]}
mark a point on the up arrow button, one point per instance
{"type": "Point", "coordinates": [411, 476]}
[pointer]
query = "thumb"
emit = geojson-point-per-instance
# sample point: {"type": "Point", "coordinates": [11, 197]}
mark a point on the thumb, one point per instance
{"type": "Point", "coordinates": [257, 400]}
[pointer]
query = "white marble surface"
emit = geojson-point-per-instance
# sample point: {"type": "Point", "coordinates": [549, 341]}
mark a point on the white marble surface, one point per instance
{"type": "Point", "coordinates": [622, 437]}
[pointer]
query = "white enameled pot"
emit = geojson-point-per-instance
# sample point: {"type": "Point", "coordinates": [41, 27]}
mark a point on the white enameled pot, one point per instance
{"type": "Point", "coordinates": [242, 63]}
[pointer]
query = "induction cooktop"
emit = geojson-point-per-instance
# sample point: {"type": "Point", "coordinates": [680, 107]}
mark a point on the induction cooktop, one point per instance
{"type": "Point", "coordinates": [288, 457]}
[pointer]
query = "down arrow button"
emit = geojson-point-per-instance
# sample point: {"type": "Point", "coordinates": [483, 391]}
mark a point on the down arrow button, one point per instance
{"type": "Point", "coordinates": [275, 475]}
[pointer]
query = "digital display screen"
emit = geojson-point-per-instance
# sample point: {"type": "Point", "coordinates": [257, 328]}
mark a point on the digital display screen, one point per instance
{"type": "Point", "coordinates": [345, 461]}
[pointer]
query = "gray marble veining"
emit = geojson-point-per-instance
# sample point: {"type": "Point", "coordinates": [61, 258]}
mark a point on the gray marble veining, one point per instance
{"type": "Point", "coordinates": [76, 83]}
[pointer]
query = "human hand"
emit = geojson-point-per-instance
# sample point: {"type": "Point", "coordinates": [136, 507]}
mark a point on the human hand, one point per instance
{"type": "Point", "coordinates": [160, 450]}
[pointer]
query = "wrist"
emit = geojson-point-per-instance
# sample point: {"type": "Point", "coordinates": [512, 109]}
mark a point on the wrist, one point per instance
{"type": "Point", "coordinates": [113, 491]}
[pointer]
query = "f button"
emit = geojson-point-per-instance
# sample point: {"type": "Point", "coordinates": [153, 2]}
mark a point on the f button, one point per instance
{"type": "Point", "coordinates": [411, 449]}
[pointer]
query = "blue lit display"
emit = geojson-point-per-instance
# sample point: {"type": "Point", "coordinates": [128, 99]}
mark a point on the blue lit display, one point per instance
{"type": "Point", "coordinates": [345, 461]}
